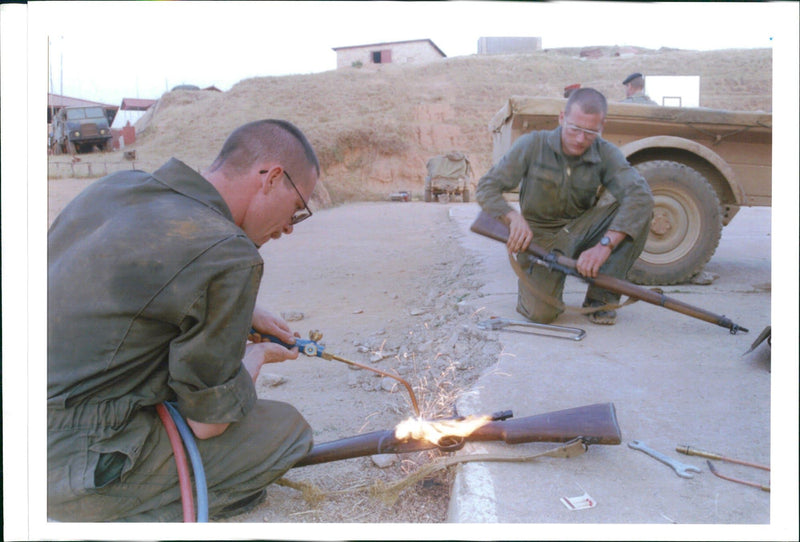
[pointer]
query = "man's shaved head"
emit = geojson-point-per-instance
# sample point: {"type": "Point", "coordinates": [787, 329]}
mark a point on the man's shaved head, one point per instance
{"type": "Point", "coordinates": [265, 140]}
{"type": "Point", "coordinates": [589, 100]}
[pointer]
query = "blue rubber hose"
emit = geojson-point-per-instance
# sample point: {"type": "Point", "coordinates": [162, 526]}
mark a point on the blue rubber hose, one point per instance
{"type": "Point", "coordinates": [197, 463]}
{"type": "Point", "coordinates": [184, 481]}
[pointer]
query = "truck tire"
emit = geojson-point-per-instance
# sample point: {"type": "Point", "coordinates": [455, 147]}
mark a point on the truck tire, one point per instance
{"type": "Point", "coordinates": [686, 225]}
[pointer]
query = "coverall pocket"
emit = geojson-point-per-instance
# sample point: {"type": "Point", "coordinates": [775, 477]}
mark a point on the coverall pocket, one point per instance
{"type": "Point", "coordinates": [109, 468]}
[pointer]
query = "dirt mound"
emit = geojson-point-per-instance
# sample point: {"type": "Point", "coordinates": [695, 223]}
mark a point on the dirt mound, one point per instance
{"type": "Point", "coordinates": [375, 130]}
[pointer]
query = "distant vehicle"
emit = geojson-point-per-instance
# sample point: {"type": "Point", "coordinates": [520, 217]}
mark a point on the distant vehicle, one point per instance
{"type": "Point", "coordinates": [701, 164]}
{"type": "Point", "coordinates": [448, 175]}
{"type": "Point", "coordinates": [80, 129]}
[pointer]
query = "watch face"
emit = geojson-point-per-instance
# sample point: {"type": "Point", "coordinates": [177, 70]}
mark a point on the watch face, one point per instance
{"type": "Point", "coordinates": [605, 241]}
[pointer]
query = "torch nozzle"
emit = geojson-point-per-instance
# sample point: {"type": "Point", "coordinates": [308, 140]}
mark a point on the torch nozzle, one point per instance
{"type": "Point", "coordinates": [688, 450]}
{"type": "Point", "coordinates": [414, 404]}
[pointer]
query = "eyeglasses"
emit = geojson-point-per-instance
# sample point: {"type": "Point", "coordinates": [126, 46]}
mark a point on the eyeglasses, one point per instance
{"type": "Point", "coordinates": [575, 129]}
{"type": "Point", "coordinates": [302, 214]}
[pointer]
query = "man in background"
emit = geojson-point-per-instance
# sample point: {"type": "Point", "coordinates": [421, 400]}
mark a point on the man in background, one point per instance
{"type": "Point", "coordinates": [559, 173]}
{"type": "Point", "coordinates": [634, 90]}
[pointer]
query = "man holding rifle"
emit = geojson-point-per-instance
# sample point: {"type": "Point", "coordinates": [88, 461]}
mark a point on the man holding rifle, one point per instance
{"type": "Point", "coordinates": [560, 173]}
{"type": "Point", "coordinates": [152, 285]}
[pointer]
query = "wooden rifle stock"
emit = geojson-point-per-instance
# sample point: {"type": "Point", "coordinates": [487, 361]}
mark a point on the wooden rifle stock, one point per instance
{"type": "Point", "coordinates": [488, 226]}
{"type": "Point", "coordinates": [595, 424]}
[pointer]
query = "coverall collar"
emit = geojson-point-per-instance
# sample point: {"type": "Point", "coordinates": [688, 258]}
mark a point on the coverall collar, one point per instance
{"type": "Point", "coordinates": [184, 180]}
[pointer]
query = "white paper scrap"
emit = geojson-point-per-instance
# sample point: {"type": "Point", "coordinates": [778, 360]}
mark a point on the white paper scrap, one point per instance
{"type": "Point", "coordinates": [579, 503]}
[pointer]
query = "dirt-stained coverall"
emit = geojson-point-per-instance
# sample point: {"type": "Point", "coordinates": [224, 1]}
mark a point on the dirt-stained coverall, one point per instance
{"type": "Point", "coordinates": [557, 197]}
{"type": "Point", "coordinates": [151, 291]}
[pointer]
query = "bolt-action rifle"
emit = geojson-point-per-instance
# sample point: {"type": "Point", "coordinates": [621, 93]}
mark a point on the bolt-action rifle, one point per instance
{"type": "Point", "coordinates": [487, 225]}
{"type": "Point", "coordinates": [593, 424]}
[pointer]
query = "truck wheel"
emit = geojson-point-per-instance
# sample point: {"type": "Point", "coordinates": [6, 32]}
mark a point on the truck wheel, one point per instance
{"type": "Point", "coordinates": [686, 225]}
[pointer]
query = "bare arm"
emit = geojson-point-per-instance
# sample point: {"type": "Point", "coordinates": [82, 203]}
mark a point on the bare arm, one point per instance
{"type": "Point", "coordinates": [591, 259]}
{"type": "Point", "coordinates": [256, 355]}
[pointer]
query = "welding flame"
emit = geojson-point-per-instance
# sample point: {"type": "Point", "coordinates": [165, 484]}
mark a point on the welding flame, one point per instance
{"type": "Point", "coordinates": [435, 431]}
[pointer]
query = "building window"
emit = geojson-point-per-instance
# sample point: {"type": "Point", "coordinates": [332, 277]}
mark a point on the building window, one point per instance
{"type": "Point", "coordinates": [382, 57]}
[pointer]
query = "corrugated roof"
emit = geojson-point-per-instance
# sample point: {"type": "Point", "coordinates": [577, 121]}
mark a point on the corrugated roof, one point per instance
{"type": "Point", "coordinates": [57, 100]}
{"type": "Point", "coordinates": [136, 104]}
{"type": "Point", "coordinates": [390, 43]}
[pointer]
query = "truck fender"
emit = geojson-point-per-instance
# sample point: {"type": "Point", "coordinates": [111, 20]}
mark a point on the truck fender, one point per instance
{"type": "Point", "coordinates": [672, 142]}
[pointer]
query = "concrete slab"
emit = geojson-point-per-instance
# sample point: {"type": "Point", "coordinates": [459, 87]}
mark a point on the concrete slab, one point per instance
{"type": "Point", "coordinates": [674, 381]}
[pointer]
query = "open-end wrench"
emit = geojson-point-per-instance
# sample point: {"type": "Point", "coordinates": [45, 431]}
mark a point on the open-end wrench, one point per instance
{"type": "Point", "coordinates": [681, 469]}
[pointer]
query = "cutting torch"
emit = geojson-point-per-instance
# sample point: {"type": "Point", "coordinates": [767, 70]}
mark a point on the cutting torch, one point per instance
{"type": "Point", "coordinates": [312, 348]}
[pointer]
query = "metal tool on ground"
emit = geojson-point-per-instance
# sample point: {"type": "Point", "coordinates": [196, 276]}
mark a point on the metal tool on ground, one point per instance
{"type": "Point", "coordinates": [681, 469]}
{"type": "Point", "coordinates": [532, 328]}
{"type": "Point", "coordinates": [689, 450]}
{"type": "Point", "coordinates": [738, 481]}
{"type": "Point", "coordinates": [312, 348]}
{"type": "Point", "coordinates": [765, 335]}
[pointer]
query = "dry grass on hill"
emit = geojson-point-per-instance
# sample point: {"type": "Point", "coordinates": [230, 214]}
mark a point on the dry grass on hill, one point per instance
{"type": "Point", "coordinates": [375, 130]}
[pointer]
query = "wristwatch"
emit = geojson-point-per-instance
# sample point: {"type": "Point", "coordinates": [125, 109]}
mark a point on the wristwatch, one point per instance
{"type": "Point", "coordinates": [606, 242]}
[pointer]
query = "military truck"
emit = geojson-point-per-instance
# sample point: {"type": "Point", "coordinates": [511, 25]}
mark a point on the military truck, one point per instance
{"type": "Point", "coordinates": [80, 129]}
{"type": "Point", "coordinates": [448, 175]}
{"type": "Point", "coordinates": [702, 166]}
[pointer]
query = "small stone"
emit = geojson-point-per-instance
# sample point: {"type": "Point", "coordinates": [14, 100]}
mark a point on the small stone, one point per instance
{"type": "Point", "coordinates": [417, 312]}
{"type": "Point", "coordinates": [384, 460]}
{"type": "Point", "coordinates": [271, 380]}
{"type": "Point", "coordinates": [292, 316]}
{"type": "Point", "coordinates": [389, 384]}
{"type": "Point", "coordinates": [704, 278]}
{"type": "Point", "coordinates": [377, 356]}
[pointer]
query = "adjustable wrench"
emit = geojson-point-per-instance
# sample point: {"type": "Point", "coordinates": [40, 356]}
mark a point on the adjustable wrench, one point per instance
{"type": "Point", "coordinates": [681, 469]}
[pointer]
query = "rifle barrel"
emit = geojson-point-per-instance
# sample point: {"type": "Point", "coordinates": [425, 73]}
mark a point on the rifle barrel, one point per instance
{"type": "Point", "coordinates": [488, 226]}
{"type": "Point", "coordinates": [596, 424]}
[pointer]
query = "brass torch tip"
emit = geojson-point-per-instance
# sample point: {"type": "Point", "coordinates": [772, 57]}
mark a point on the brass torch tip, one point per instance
{"type": "Point", "coordinates": [688, 450]}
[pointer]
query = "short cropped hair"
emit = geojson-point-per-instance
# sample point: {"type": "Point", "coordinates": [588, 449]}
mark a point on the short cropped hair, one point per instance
{"type": "Point", "coordinates": [268, 139]}
{"type": "Point", "coordinates": [589, 100]}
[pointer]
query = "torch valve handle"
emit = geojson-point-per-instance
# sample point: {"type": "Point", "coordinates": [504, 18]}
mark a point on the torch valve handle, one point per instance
{"type": "Point", "coordinates": [308, 347]}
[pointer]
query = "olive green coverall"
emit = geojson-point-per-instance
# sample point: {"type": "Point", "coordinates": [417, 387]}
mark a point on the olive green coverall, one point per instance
{"type": "Point", "coordinates": [151, 291]}
{"type": "Point", "coordinates": [558, 196]}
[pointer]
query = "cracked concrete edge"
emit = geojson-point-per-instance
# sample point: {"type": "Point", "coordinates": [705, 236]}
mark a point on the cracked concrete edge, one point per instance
{"type": "Point", "coordinates": [472, 498]}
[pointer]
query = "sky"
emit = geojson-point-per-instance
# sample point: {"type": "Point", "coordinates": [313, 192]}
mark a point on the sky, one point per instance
{"type": "Point", "coordinates": [106, 51]}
